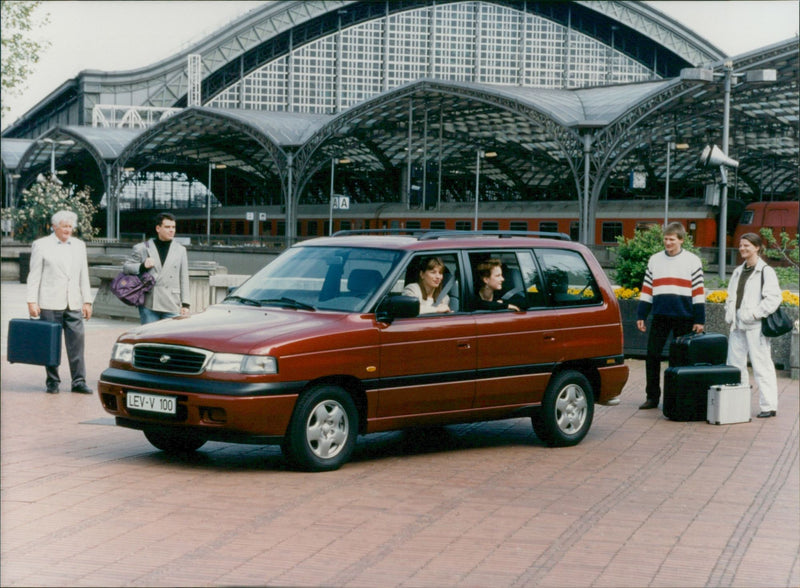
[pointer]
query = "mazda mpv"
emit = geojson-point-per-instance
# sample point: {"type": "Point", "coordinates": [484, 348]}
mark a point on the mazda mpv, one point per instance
{"type": "Point", "coordinates": [322, 345]}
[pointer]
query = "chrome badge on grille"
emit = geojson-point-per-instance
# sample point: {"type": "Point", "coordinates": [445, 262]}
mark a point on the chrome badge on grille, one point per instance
{"type": "Point", "coordinates": [164, 358]}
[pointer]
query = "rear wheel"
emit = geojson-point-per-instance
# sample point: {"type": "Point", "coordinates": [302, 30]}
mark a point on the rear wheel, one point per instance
{"type": "Point", "coordinates": [567, 410]}
{"type": "Point", "coordinates": [323, 430]}
{"type": "Point", "coordinates": [177, 441]}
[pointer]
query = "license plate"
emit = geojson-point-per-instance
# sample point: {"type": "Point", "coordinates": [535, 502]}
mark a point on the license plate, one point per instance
{"type": "Point", "coordinates": [151, 402]}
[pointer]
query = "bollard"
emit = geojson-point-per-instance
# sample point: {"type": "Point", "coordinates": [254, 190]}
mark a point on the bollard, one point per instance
{"type": "Point", "coordinates": [794, 353]}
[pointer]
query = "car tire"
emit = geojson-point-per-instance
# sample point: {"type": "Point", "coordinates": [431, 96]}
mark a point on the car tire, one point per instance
{"type": "Point", "coordinates": [178, 441]}
{"type": "Point", "coordinates": [323, 430]}
{"type": "Point", "coordinates": [567, 410]}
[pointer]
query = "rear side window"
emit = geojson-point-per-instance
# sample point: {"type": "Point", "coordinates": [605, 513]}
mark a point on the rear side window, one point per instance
{"type": "Point", "coordinates": [523, 283]}
{"type": "Point", "coordinates": [569, 281]}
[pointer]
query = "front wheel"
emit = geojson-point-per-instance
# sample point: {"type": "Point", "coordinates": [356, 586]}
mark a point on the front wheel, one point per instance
{"type": "Point", "coordinates": [567, 410]}
{"type": "Point", "coordinates": [323, 430]}
{"type": "Point", "coordinates": [177, 441]}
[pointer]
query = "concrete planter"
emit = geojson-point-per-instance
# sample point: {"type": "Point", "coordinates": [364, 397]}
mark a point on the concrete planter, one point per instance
{"type": "Point", "coordinates": [635, 343]}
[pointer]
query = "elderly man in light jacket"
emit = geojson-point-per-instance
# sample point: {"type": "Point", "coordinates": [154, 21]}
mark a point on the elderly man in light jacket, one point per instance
{"type": "Point", "coordinates": [59, 291]}
{"type": "Point", "coordinates": [167, 261]}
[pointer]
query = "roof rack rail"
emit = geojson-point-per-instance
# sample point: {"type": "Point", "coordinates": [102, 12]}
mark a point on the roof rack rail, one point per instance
{"type": "Point", "coordinates": [349, 232]}
{"type": "Point", "coordinates": [500, 234]}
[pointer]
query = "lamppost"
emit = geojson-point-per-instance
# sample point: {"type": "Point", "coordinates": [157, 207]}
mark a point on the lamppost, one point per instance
{"type": "Point", "coordinates": [208, 199]}
{"type": "Point", "coordinates": [670, 146]}
{"type": "Point", "coordinates": [479, 154]}
{"type": "Point", "coordinates": [727, 75]}
{"type": "Point", "coordinates": [53, 143]}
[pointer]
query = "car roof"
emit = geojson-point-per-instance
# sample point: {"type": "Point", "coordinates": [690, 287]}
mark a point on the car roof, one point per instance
{"type": "Point", "coordinates": [434, 240]}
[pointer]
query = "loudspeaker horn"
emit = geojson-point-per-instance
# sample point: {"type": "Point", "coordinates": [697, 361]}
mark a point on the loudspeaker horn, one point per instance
{"type": "Point", "coordinates": [712, 156]}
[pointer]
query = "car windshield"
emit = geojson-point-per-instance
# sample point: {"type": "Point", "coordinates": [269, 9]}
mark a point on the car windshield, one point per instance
{"type": "Point", "coordinates": [319, 278]}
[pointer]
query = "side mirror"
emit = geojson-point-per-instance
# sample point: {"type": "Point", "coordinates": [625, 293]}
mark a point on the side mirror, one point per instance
{"type": "Point", "coordinates": [395, 307]}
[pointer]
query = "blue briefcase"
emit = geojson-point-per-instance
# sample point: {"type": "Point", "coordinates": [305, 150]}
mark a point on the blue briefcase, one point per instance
{"type": "Point", "coordinates": [34, 341]}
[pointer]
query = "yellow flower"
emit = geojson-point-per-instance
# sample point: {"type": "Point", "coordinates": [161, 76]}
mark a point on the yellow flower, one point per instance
{"type": "Point", "coordinates": [626, 293]}
{"type": "Point", "coordinates": [790, 299]}
{"type": "Point", "coordinates": [717, 296]}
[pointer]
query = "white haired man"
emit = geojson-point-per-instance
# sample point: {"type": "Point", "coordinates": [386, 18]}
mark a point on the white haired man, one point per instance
{"type": "Point", "coordinates": [59, 292]}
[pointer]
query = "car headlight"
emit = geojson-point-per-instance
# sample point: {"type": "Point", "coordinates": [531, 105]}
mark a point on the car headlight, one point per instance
{"type": "Point", "coordinates": [122, 352]}
{"type": "Point", "coordinates": [242, 364]}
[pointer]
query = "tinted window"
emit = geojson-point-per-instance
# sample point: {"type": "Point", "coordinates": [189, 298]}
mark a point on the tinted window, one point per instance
{"type": "Point", "coordinates": [438, 225]}
{"type": "Point", "coordinates": [463, 225]}
{"type": "Point", "coordinates": [611, 230]}
{"type": "Point", "coordinates": [490, 226]}
{"type": "Point", "coordinates": [549, 226]}
{"type": "Point", "coordinates": [518, 225]}
{"type": "Point", "coordinates": [569, 281]}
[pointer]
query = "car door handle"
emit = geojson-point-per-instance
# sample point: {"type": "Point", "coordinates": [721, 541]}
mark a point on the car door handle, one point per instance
{"type": "Point", "coordinates": [464, 345]}
{"type": "Point", "coordinates": [549, 336]}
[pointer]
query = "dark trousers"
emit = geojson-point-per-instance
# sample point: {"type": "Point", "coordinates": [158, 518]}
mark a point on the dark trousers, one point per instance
{"type": "Point", "coordinates": [660, 329]}
{"type": "Point", "coordinates": [71, 322]}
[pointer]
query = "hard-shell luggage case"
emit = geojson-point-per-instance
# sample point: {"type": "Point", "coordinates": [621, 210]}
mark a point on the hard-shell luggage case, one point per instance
{"type": "Point", "coordinates": [686, 389]}
{"type": "Point", "coordinates": [699, 349]}
{"type": "Point", "coordinates": [728, 403]}
{"type": "Point", "coordinates": [32, 341]}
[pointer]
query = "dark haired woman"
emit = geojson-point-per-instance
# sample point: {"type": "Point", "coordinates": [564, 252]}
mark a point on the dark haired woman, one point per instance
{"type": "Point", "coordinates": [753, 293]}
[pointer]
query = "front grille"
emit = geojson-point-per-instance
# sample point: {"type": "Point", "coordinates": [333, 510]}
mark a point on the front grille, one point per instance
{"type": "Point", "coordinates": [172, 359]}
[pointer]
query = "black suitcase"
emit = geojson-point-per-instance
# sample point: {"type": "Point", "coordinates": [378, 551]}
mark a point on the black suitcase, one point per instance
{"type": "Point", "coordinates": [36, 342]}
{"type": "Point", "coordinates": [699, 349]}
{"type": "Point", "coordinates": [686, 389]}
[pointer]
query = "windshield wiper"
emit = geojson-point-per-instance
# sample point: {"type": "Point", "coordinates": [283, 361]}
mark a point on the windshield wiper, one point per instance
{"type": "Point", "coordinates": [242, 299]}
{"type": "Point", "coordinates": [287, 302]}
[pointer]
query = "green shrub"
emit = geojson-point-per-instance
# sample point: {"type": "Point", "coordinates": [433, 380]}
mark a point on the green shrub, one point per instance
{"type": "Point", "coordinates": [633, 254]}
{"type": "Point", "coordinates": [786, 252]}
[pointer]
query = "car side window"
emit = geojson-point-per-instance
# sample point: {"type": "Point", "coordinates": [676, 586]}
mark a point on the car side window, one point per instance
{"type": "Point", "coordinates": [568, 279]}
{"type": "Point", "coordinates": [522, 281]}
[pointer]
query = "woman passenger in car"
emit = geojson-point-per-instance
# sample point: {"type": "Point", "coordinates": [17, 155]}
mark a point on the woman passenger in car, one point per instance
{"type": "Point", "coordinates": [489, 283]}
{"type": "Point", "coordinates": [428, 286]}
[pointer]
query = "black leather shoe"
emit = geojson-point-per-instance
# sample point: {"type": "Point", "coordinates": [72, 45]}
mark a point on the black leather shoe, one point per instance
{"type": "Point", "coordinates": [649, 404]}
{"type": "Point", "coordinates": [52, 389]}
{"type": "Point", "coordinates": [82, 389]}
{"type": "Point", "coordinates": [765, 414]}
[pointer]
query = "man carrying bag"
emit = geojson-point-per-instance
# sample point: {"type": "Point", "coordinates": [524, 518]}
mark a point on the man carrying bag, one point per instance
{"type": "Point", "coordinates": [168, 263]}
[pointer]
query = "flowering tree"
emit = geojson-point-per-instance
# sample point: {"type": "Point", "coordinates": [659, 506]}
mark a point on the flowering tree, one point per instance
{"type": "Point", "coordinates": [31, 219]}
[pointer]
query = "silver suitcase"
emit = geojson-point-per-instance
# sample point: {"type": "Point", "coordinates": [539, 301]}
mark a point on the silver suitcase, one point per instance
{"type": "Point", "coordinates": [728, 403]}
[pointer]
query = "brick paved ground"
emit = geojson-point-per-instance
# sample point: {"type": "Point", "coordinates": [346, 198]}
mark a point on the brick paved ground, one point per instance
{"type": "Point", "coordinates": [643, 501]}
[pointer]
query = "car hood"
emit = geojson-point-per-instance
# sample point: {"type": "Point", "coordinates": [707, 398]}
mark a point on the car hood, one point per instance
{"type": "Point", "coordinates": [239, 329]}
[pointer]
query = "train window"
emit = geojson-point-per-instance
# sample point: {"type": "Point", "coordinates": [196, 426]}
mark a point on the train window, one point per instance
{"type": "Point", "coordinates": [344, 225]}
{"type": "Point", "coordinates": [395, 224]}
{"type": "Point", "coordinates": [463, 225]}
{"type": "Point", "coordinates": [282, 228]}
{"type": "Point", "coordinates": [610, 231]}
{"type": "Point", "coordinates": [490, 226]}
{"type": "Point", "coordinates": [312, 228]}
{"type": "Point", "coordinates": [413, 224]}
{"type": "Point", "coordinates": [645, 226]}
{"type": "Point", "coordinates": [747, 217]}
{"type": "Point", "coordinates": [548, 226]}
{"type": "Point", "coordinates": [518, 225]}
{"type": "Point", "coordinates": [438, 225]}
{"type": "Point", "coordinates": [574, 231]}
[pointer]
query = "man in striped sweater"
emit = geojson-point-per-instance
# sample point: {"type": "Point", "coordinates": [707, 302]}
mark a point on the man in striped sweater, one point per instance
{"type": "Point", "coordinates": [673, 292]}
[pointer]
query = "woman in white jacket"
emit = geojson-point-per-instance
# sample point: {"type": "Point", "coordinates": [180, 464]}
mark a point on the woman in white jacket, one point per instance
{"type": "Point", "coordinates": [748, 302]}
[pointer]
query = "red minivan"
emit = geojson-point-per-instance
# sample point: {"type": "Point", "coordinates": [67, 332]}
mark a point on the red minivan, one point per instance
{"type": "Point", "coordinates": [322, 345]}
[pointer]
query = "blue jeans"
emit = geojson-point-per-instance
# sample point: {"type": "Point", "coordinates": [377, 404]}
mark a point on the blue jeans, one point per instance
{"type": "Point", "coordinates": [148, 315]}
